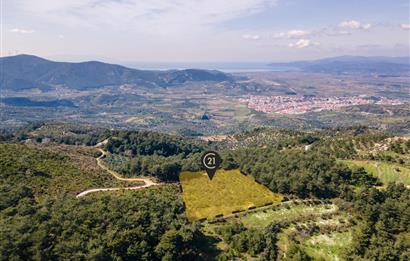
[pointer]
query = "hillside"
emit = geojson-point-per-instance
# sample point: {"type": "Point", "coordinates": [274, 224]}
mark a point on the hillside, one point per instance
{"type": "Point", "coordinates": [330, 210]}
{"type": "Point", "coordinates": [28, 71]}
{"type": "Point", "coordinates": [52, 170]}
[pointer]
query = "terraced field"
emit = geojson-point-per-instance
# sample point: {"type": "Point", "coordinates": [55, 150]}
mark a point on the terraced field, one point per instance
{"type": "Point", "coordinates": [287, 211]}
{"type": "Point", "coordinates": [320, 229]}
{"type": "Point", "coordinates": [228, 191]}
{"type": "Point", "coordinates": [332, 246]}
{"type": "Point", "coordinates": [326, 236]}
{"type": "Point", "coordinates": [386, 172]}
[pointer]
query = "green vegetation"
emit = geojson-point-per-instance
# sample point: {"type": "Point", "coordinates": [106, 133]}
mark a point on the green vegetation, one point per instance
{"type": "Point", "coordinates": [307, 237]}
{"type": "Point", "coordinates": [248, 236]}
{"type": "Point", "coordinates": [160, 167]}
{"type": "Point", "coordinates": [228, 191]}
{"type": "Point", "coordinates": [57, 171]}
{"type": "Point", "coordinates": [134, 143]}
{"type": "Point", "coordinates": [332, 211]}
{"type": "Point", "coordinates": [130, 225]}
{"type": "Point", "coordinates": [384, 232]}
{"type": "Point", "coordinates": [65, 133]}
{"type": "Point", "coordinates": [141, 153]}
{"type": "Point", "coordinates": [386, 172]}
{"type": "Point", "coordinates": [303, 173]}
{"type": "Point", "coordinates": [286, 211]}
{"type": "Point", "coordinates": [332, 246]}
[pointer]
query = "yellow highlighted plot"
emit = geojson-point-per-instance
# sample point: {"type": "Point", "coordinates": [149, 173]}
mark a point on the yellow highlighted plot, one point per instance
{"type": "Point", "coordinates": [228, 191]}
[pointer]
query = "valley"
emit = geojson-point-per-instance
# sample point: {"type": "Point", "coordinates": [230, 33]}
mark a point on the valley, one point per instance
{"type": "Point", "coordinates": [204, 104]}
{"type": "Point", "coordinates": [207, 130]}
{"type": "Point", "coordinates": [315, 165]}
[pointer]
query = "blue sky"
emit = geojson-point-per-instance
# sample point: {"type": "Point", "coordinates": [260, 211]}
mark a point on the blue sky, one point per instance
{"type": "Point", "coordinates": [204, 30]}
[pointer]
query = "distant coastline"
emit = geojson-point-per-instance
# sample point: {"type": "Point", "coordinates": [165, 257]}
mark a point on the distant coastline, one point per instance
{"type": "Point", "coordinates": [224, 67]}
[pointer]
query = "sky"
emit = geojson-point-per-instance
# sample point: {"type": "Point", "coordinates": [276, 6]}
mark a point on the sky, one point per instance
{"type": "Point", "coordinates": [204, 30]}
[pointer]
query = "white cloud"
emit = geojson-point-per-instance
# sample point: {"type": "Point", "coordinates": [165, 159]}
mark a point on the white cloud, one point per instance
{"type": "Point", "coordinates": [350, 24]}
{"type": "Point", "coordinates": [297, 34]}
{"type": "Point", "coordinates": [292, 34]}
{"type": "Point", "coordinates": [366, 26]}
{"type": "Point", "coordinates": [154, 16]}
{"type": "Point", "coordinates": [353, 24]}
{"type": "Point", "coordinates": [21, 31]}
{"type": "Point", "coordinates": [303, 43]}
{"type": "Point", "coordinates": [405, 26]}
{"type": "Point", "coordinates": [251, 36]}
{"type": "Point", "coordinates": [280, 35]}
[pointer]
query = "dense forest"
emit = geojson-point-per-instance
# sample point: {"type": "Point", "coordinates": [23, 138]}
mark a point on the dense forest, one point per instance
{"type": "Point", "coordinates": [301, 173]}
{"type": "Point", "coordinates": [141, 225]}
{"type": "Point", "coordinates": [384, 230]}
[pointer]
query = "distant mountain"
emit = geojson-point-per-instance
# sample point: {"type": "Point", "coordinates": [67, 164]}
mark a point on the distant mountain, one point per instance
{"type": "Point", "coordinates": [21, 101]}
{"type": "Point", "coordinates": [352, 64]}
{"type": "Point", "coordinates": [27, 71]}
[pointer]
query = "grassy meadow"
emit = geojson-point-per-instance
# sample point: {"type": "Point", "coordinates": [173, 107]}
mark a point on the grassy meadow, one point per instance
{"type": "Point", "coordinates": [228, 191]}
{"type": "Point", "coordinates": [386, 172]}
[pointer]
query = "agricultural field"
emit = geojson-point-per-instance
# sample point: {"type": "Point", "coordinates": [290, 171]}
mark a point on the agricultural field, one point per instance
{"type": "Point", "coordinates": [326, 237]}
{"type": "Point", "coordinates": [386, 172]}
{"type": "Point", "coordinates": [319, 228]}
{"type": "Point", "coordinates": [332, 246]}
{"type": "Point", "coordinates": [228, 191]}
{"type": "Point", "coordinates": [287, 211]}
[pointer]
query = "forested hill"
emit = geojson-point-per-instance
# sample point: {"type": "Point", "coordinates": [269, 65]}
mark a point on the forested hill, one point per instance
{"type": "Point", "coordinates": [27, 71]}
{"type": "Point", "coordinates": [43, 167]}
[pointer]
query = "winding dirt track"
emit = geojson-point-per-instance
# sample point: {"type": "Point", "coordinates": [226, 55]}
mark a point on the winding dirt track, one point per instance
{"type": "Point", "coordinates": [148, 182]}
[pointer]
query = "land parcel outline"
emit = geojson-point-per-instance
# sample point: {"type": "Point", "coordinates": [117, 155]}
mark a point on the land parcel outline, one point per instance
{"type": "Point", "coordinates": [229, 191]}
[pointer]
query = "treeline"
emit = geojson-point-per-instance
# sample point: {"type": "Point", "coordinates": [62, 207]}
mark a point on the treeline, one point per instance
{"type": "Point", "coordinates": [133, 143]}
{"type": "Point", "coordinates": [346, 142]}
{"type": "Point", "coordinates": [135, 153]}
{"type": "Point", "coordinates": [166, 169]}
{"type": "Point", "coordinates": [61, 133]}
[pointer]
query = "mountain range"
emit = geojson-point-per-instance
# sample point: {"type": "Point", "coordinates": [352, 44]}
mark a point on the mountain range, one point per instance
{"type": "Point", "coordinates": [28, 71]}
{"type": "Point", "coordinates": [351, 64]}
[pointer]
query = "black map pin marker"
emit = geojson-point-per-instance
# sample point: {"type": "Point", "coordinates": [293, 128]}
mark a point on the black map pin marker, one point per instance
{"type": "Point", "coordinates": [210, 161]}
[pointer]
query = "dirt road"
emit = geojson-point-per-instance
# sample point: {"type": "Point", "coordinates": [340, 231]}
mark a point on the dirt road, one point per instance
{"type": "Point", "coordinates": [148, 182]}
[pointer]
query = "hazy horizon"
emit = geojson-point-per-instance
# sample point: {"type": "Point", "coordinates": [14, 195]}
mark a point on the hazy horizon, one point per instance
{"type": "Point", "coordinates": [204, 31]}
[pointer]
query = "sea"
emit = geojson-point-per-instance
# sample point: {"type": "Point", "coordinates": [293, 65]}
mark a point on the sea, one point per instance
{"type": "Point", "coordinates": [224, 67]}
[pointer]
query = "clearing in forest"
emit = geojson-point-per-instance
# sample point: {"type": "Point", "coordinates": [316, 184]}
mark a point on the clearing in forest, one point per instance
{"type": "Point", "coordinates": [386, 172]}
{"type": "Point", "coordinates": [227, 192]}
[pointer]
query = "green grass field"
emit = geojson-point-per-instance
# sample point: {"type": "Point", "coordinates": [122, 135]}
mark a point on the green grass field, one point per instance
{"type": "Point", "coordinates": [227, 192]}
{"type": "Point", "coordinates": [386, 172]}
